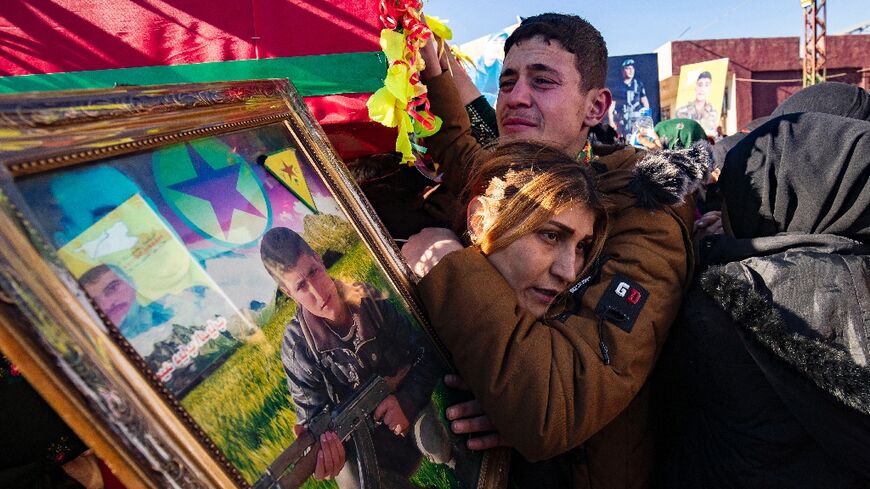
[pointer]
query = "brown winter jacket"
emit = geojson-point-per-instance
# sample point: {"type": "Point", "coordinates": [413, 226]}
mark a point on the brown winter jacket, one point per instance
{"type": "Point", "coordinates": [572, 384]}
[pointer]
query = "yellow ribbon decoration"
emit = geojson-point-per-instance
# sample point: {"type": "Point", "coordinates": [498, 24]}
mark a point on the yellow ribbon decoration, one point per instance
{"type": "Point", "coordinates": [396, 103]}
{"type": "Point", "coordinates": [403, 141]}
{"type": "Point", "coordinates": [388, 105]}
{"type": "Point", "coordinates": [397, 83]}
{"type": "Point", "coordinates": [439, 27]}
{"type": "Point", "coordinates": [383, 108]}
{"type": "Point", "coordinates": [393, 45]}
{"type": "Point", "coordinates": [463, 58]}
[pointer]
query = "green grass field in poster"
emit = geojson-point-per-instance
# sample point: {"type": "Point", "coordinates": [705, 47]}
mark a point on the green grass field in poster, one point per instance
{"type": "Point", "coordinates": [245, 406]}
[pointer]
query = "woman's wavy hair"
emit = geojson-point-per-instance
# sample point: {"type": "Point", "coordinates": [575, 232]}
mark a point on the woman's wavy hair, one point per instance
{"type": "Point", "coordinates": [524, 184]}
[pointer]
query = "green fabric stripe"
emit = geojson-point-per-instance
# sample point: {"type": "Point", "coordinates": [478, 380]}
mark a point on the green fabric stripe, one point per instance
{"type": "Point", "coordinates": [327, 74]}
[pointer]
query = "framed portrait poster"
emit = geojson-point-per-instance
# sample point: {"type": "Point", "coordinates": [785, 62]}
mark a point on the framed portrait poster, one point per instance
{"type": "Point", "coordinates": [192, 279]}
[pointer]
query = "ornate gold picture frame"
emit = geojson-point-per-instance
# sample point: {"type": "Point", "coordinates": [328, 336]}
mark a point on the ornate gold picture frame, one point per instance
{"type": "Point", "coordinates": [193, 281]}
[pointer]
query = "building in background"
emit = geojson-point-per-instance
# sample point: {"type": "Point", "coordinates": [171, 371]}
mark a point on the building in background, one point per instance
{"type": "Point", "coordinates": [762, 71]}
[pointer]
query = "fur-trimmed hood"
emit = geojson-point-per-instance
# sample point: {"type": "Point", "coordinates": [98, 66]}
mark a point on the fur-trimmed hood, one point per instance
{"type": "Point", "coordinates": [656, 179]}
{"type": "Point", "coordinates": [829, 355]}
{"type": "Point", "coordinates": [761, 382]}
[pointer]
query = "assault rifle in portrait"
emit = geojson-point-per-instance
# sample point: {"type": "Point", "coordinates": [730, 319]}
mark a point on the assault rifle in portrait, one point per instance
{"type": "Point", "coordinates": [349, 420]}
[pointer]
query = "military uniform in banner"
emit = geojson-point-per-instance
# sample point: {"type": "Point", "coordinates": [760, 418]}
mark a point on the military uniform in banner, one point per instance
{"type": "Point", "coordinates": [708, 117]}
{"type": "Point", "coordinates": [627, 97]}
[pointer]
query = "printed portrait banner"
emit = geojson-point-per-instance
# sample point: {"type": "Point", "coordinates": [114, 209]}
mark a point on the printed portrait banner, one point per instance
{"type": "Point", "coordinates": [634, 82]}
{"type": "Point", "coordinates": [134, 239]}
{"type": "Point", "coordinates": [701, 93]}
{"type": "Point", "coordinates": [153, 290]}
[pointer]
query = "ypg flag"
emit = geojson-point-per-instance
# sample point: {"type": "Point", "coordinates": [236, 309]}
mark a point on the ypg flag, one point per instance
{"type": "Point", "coordinates": [213, 191]}
{"type": "Point", "coordinates": [285, 167]}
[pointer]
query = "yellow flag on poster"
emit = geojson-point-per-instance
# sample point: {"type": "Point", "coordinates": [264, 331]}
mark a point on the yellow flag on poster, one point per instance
{"type": "Point", "coordinates": [285, 167]}
{"type": "Point", "coordinates": [135, 240]}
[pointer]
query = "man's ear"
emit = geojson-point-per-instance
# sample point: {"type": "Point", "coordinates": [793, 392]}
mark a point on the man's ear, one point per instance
{"type": "Point", "coordinates": [599, 103]}
{"type": "Point", "coordinates": [476, 218]}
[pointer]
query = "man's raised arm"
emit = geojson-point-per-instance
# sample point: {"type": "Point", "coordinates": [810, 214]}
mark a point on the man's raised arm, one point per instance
{"type": "Point", "coordinates": [453, 147]}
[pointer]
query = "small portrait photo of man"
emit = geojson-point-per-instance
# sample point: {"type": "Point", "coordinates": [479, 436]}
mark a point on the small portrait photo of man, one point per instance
{"type": "Point", "coordinates": [114, 294]}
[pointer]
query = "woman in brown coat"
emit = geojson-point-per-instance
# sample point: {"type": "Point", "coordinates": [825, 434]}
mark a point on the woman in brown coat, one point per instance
{"type": "Point", "coordinates": [535, 222]}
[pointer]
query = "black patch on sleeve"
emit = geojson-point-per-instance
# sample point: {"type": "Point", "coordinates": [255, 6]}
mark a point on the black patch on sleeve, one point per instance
{"type": "Point", "coordinates": [622, 302]}
{"type": "Point", "coordinates": [579, 288]}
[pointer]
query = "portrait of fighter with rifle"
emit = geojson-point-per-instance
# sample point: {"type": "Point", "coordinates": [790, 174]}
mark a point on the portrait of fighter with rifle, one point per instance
{"type": "Point", "coordinates": [360, 375]}
{"type": "Point", "coordinates": [630, 101]}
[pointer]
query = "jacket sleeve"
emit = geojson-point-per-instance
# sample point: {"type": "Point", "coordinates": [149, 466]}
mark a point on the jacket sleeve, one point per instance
{"type": "Point", "coordinates": [304, 378]}
{"type": "Point", "coordinates": [545, 384]}
{"type": "Point", "coordinates": [415, 390]}
{"type": "Point", "coordinates": [453, 146]}
{"type": "Point", "coordinates": [484, 127]}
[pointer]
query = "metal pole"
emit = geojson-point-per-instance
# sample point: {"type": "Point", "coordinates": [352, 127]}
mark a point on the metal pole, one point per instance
{"type": "Point", "coordinates": [815, 45]}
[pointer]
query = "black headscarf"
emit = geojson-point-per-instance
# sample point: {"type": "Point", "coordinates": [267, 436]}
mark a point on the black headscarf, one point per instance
{"type": "Point", "coordinates": [724, 145]}
{"type": "Point", "coordinates": [830, 98]}
{"type": "Point", "coordinates": [800, 173]}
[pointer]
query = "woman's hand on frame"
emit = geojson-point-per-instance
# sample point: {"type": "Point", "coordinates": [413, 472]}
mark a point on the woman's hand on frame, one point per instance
{"type": "Point", "coordinates": [468, 418]}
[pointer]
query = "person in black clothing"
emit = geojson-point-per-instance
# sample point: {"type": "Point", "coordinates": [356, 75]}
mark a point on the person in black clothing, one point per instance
{"type": "Point", "coordinates": [37, 445]}
{"type": "Point", "coordinates": [829, 98]}
{"type": "Point", "coordinates": [764, 382]}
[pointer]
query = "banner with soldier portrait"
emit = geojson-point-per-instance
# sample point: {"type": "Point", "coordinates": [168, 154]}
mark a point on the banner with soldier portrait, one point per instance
{"type": "Point", "coordinates": [634, 82]}
{"type": "Point", "coordinates": [701, 92]}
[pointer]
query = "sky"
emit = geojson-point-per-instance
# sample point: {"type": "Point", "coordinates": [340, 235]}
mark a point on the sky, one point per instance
{"type": "Point", "coordinates": [634, 26]}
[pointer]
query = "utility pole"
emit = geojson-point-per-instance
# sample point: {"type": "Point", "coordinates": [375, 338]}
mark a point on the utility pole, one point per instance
{"type": "Point", "coordinates": [815, 52]}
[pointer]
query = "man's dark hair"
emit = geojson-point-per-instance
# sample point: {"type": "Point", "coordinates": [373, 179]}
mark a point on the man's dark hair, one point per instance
{"type": "Point", "coordinates": [705, 74]}
{"type": "Point", "coordinates": [281, 249]}
{"type": "Point", "coordinates": [575, 35]}
{"type": "Point", "coordinates": [94, 274]}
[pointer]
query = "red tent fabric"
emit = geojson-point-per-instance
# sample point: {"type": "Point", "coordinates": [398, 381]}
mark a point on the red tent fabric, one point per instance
{"type": "Point", "coordinates": [53, 36]}
{"type": "Point", "coordinates": [45, 36]}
